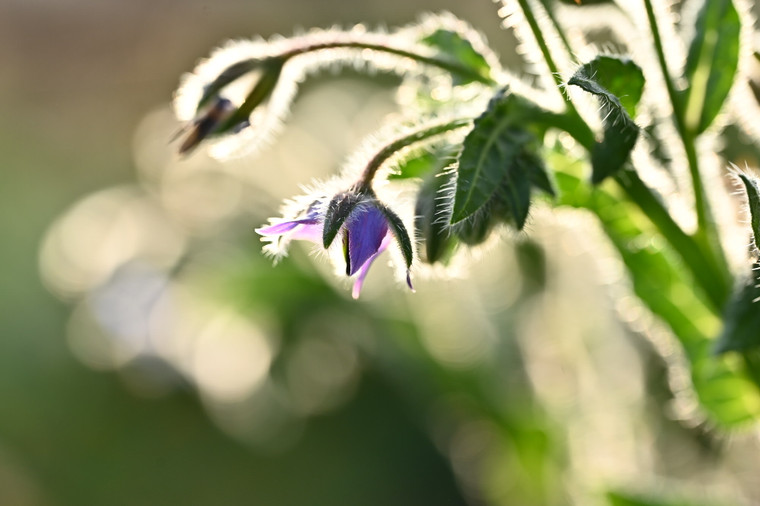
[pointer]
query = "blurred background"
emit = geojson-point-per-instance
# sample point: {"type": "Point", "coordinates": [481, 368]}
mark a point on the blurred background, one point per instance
{"type": "Point", "coordinates": [150, 354]}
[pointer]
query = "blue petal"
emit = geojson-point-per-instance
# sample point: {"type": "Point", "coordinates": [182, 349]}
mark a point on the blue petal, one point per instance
{"type": "Point", "coordinates": [367, 227]}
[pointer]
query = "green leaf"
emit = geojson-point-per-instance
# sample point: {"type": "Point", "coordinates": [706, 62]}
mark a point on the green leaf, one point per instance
{"type": "Point", "coordinates": [712, 63]}
{"type": "Point", "coordinates": [614, 77]}
{"type": "Point", "coordinates": [538, 174]}
{"type": "Point", "coordinates": [752, 187]}
{"type": "Point", "coordinates": [741, 319]}
{"type": "Point", "coordinates": [454, 45]}
{"type": "Point", "coordinates": [474, 230]}
{"type": "Point", "coordinates": [489, 159]}
{"type": "Point", "coordinates": [430, 222]}
{"type": "Point", "coordinates": [513, 195]}
{"type": "Point", "coordinates": [723, 388]}
{"type": "Point", "coordinates": [625, 498]}
{"type": "Point", "coordinates": [618, 84]}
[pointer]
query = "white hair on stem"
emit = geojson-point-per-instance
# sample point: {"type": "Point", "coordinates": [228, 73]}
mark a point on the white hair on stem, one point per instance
{"type": "Point", "coordinates": [310, 52]}
{"type": "Point", "coordinates": [514, 18]}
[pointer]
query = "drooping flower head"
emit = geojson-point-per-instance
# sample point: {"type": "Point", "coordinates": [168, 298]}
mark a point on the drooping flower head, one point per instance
{"type": "Point", "coordinates": [366, 226]}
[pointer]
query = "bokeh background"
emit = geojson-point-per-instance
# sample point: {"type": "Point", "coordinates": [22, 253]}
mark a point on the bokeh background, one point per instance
{"type": "Point", "coordinates": [150, 354]}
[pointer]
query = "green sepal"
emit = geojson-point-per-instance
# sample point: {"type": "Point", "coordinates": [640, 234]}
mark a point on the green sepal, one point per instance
{"type": "Point", "coordinates": [338, 210]}
{"type": "Point", "coordinates": [399, 232]}
{"type": "Point", "coordinates": [271, 69]}
{"type": "Point", "coordinates": [228, 75]}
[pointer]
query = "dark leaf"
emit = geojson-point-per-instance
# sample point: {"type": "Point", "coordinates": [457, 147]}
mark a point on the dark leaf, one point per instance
{"type": "Point", "coordinates": [430, 222]}
{"type": "Point", "coordinates": [537, 173]}
{"type": "Point", "coordinates": [741, 318]}
{"type": "Point", "coordinates": [620, 132]}
{"type": "Point", "coordinates": [474, 230]}
{"type": "Point", "coordinates": [712, 63]}
{"type": "Point", "coordinates": [513, 196]}
{"type": "Point", "coordinates": [490, 153]}
{"type": "Point", "coordinates": [752, 188]}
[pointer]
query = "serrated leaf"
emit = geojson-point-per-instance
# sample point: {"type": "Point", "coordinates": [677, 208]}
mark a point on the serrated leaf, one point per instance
{"type": "Point", "coordinates": [455, 46]}
{"type": "Point", "coordinates": [514, 195]}
{"type": "Point", "coordinates": [741, 319]}
{"type": "Point", "coordinates": [600, 77]}
{"type": "Point", "coordinates": [490, 154]}
{"type": "Point", "coordinates": [712, 62]}
{"type": "Point", "coordinates": [752, 187]}
{"type": "Point", "coordinates": [338, 210]}
{"type": "Point", "coordinates": [474, 230]}
{"type": "Point", "coordinates": [724, 390]}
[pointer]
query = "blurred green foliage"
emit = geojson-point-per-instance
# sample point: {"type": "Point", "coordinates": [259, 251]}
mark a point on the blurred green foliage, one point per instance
{"type": "Point", "coordinates": [519, 387]}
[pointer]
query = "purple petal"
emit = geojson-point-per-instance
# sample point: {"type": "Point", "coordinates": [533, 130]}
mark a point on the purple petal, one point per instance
{"type": "Point", "coordinates": [364, 269]}
{"type": "Point", "coordinates": [367, 228]}
{"type": "Point", "coordinates": [287, 226]}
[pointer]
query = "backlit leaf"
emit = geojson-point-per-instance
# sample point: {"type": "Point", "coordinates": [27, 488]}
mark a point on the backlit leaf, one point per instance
{"type": "Point", "coordinates": [454, 45]}
{"type": "Point", "coordinates": [618, 84]}
{"type": "Point", "coordinates": [712, 62]}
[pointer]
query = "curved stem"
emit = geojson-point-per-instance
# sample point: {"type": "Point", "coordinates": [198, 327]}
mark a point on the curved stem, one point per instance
{"type": "Point", "coordinates": [449, 66]}
{"type": "Point", "coordinates": [365, 180]}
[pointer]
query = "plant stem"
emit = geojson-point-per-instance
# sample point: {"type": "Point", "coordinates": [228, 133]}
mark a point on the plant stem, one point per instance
{"type": "Point", "coordinates": [530, 17]}
{"type": "Point", "coordinates": [707, 234]}
{"type": "Point", "coordinates": [449, 66]}
{"type": "Point", "coordinates": [365, 180]}
{"type": "Point", "coordinates": [709, 275]}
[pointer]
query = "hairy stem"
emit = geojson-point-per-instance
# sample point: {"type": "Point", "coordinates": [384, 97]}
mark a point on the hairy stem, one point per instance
{"type": "Point", "coordinates": [708, 240]}
{"type": "Point", "coordinates": [530, 17]}
{"type": "Point", "coordinates": [387, 151]}
{"type": "Point", "coordinates": [705, 272]}
{"type": "Point", "coordinates": [447, 65]}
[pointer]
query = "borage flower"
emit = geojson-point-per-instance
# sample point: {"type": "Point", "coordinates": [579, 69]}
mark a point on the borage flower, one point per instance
{"type": "Point", "coordinates": [366, 225]}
